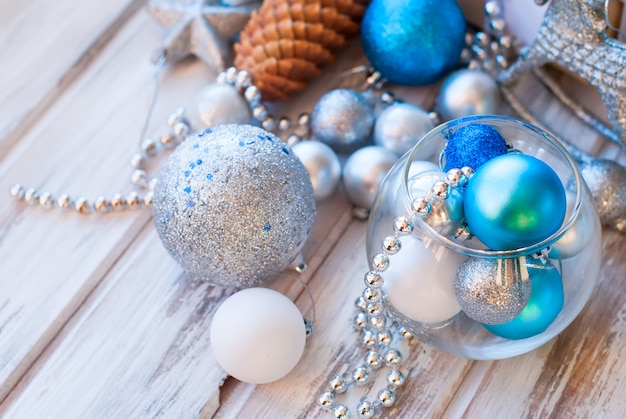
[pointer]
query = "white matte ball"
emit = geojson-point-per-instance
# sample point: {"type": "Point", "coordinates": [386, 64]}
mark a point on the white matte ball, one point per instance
{"type": "Point", "coordinates": [419, 282]}
{"type": "Point", "coordinates": [322, 164]}
{"type": "Point", "coordinates": [221, 104]}
{"type": "Point", "coordinates": [258, 335]}
{"type": "Point", "coordinates": [363, 173]}
{"type": "Point", "coordinates": [400, 126]}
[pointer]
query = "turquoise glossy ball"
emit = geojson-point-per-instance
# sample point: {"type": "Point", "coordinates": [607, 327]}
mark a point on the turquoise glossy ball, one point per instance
{"type": "Point", "coordinates": [514, 201]}
{"type": "Point", "coordinates": [545, 304]}
{"type": "Point", "coordinates": [413, 42]}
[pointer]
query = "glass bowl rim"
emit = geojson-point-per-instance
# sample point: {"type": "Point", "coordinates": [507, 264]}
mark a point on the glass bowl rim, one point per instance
{"type": "Point", "coordinates": [483, 253]}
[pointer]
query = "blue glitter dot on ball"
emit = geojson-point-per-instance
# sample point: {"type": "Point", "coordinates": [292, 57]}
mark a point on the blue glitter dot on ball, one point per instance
{"type": "Point", "coordinates": [473, 145]}
{"type": "Point", "coordinates": [413, 42]}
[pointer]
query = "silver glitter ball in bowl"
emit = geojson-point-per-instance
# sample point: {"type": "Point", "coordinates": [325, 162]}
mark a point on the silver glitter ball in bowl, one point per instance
{"type": "Point", "coordinates": [493, 291]}
{"type": "Point", "coordinates": [233, 205]}
{"type": "Point", "coordinates": [343, 119]}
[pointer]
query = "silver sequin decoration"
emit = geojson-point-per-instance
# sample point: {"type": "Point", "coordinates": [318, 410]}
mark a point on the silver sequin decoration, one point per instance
{"type": "Point", "coordinates": [493, 291]}
{"type": "Point", "coordinates": [233, 205]}
{"type": "Point", "coordinates": [573, 36]}
{"type": "Point", "coordinates": [607, 182]}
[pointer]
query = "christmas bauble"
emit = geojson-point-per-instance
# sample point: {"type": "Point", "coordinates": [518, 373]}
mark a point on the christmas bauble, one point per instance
{"type": "Point", "coordinates": [544, 305]}
{"type": "Point", "coordinates": [221, 104]}
{"type": "Point", "coordinates": [493, 291]}
{"type": "Point", "coordinates": [400, 126]}
{"type": "Point", "coordinates": [419, 282]}
{"type": "Point", "coordinates": [513, 201]}
{"type": "Point", "coordinates": [233, 205]}
{"type": "Point", "coordinates": [607, 182]}
{"type": "Point", "coordinates": [343, 119]}
{"type": "Point", "coordinates": [322, 164]}
{"type": "Point", "coordinates": [413, 42]}
{"type": "Point", "coordinates": [579, 235]}
{"type": "Point", "coordinates": [468, 92]}
{"type": "Point", "coordinates": [364, 171]}
{"type": "Point", "coordinates": [257, 335]}
{"type": "Point", "coordinates": [472, 145]}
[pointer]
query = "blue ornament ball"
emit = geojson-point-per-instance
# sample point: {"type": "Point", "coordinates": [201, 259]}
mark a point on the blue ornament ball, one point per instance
{"type": "Point", "coordinates": [545, 304]}
{"type": "Point", "coordinates": [514, 201]}
{"type": "Point", "coordinates": [473, 145]}
{"type": "Point", "coordinates": [413, 42]}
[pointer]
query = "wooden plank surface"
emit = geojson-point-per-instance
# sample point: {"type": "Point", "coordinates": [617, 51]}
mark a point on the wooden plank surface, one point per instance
{"type": "Point", "coordinates": [44, 44]}
{"type": "Point", "coordinates": [97, 321]}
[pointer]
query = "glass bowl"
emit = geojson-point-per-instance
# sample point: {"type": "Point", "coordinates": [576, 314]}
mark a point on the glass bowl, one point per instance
{"type": "Point", "coordinates": [430, 284]}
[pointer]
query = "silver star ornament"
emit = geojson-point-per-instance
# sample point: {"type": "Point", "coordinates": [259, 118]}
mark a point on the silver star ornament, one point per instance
{"type": "Point", "coordinates": [202, 28]}
{"type": "Point", "coordinates": [573, 36]}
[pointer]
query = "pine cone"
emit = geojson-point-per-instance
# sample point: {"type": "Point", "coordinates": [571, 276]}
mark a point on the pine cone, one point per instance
{"type": "Point", "coordinates": [286, 42]}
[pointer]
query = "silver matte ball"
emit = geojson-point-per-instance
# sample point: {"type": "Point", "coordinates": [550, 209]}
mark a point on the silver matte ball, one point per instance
{"type": "Point", "coordinates": [466, 93]}
{"type": "Point", "coordinates": [233, 205]}
{"type": "Point", "coordinates": [323, 167]}
{"type": "Point", "coordinates": [222, 104]}
{"type": "Point", "coordinates": [607, 182]}
{"type": "Point", "coordinates": [363, 173]}
{"type": "Point", "coordinates": [400, 126]}
{"type": "Point", "coordinates": [493, 291]}
{"type": "Point", "coordinates": [343, 119]}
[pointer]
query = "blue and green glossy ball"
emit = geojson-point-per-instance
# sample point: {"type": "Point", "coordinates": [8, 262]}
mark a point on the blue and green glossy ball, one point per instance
{"type": "Point", "coordinates": [545, 304]}
{"type": "Point", "coordinates": [514, 201]}
{"type": "Point", "coordinates": [413, 42]}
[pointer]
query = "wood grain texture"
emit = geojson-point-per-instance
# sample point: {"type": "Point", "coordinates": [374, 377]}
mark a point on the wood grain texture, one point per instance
{"type": "Point", "coordinates": [145, 332]}
{"type": "Point", "coordinates": [44, 45]}
{"type": "Point", "coordinates": [50, 262]}
{"type": "Point", "coordinates": [97, 321]}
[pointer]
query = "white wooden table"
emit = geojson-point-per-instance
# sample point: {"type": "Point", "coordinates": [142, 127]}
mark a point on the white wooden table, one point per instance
{"type": "Point", "coordinates": [96, 320]}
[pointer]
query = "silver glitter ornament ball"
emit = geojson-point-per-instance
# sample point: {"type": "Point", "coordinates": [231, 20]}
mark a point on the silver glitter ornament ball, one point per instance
{"type": "Point", "coordinates": [400, 126]}
{"type": "Point", "coordinates": [468, 92]}
{"type": "Point", "coordinates": [607, 182]}
{"type": "Point", "coordinates": [233, 205]}
{"type": "Point", "coordinates": [493, 291]}
{"type": "Point", "coordinates": [343, 119]}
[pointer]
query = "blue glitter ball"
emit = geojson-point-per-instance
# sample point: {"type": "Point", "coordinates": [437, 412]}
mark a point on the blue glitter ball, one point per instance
{"type": "Point", "coordinates": [544, 305]}
{"type": "Point", "coordinates": [472, 145]}
{"type": "Point", "coordinates": [413, 42]}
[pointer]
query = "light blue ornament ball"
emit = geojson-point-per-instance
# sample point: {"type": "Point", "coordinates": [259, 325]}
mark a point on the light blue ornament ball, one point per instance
{"type": "Point", "coordinates": [545, 304]}
{"type": "Point", "coordinates": [413, 42]}
{"type": "Point", "coordinates": [514, 201]}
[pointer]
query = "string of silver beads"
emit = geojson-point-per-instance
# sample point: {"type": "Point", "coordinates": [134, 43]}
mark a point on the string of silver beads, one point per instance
{"type": "Point", "coordinates": [117, 202]}
{"type": "Point", "coordinates": [242, 81]}
{"type": "Point", "coordinates": [373, 318]}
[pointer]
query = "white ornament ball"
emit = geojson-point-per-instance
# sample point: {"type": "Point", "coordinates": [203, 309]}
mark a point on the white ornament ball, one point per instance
{"type": "Point", "coordinates": [222, 104]}
{"type": "Point", "coordinates": [400, 126]}
{"type": "Point", "coordinates": [363, 173]}
{"type": "Point", "coordinates": [233, 205]}
{"type": "Point", "coordinates": [323, 167]}
{"type": "Point", "coordinates": [258, 335]}
{"type": "Point", "coordinates": [468, 92]}
{"type": "Point", "coordinates": [419, 282]}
